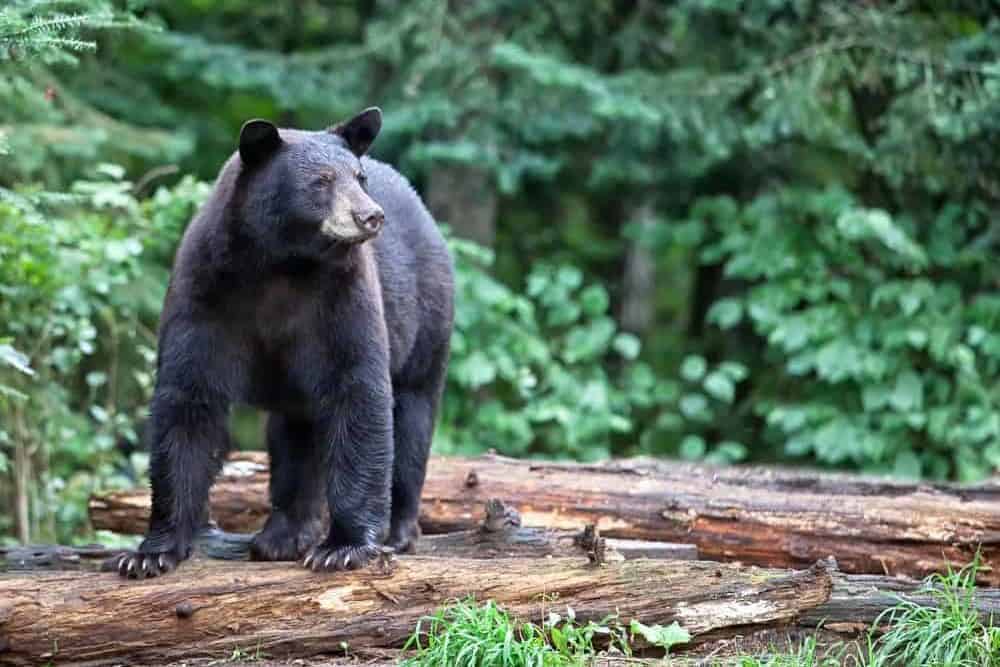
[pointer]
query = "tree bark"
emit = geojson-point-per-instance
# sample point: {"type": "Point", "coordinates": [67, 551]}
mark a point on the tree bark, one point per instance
{"type": "Point", "coordinates": [772, 517]}
{"type": "Point", "coordinates": [465, 199]}
{"type": "Point", "coordinates": [207, 608]}
{"type": "Point", "coordinates": [22, 488]}
{"type": "Point", "coordinates": [638, 303]}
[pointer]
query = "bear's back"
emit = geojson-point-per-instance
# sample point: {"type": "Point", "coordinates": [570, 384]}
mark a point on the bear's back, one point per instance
{"type": "Point", "coordinates": [414, 266]}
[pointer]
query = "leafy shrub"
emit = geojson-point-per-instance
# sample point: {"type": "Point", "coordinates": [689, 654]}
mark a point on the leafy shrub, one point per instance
{"type": "Point", "coordinates": [82, 277]}
{"type": "Point", "coordinates": [877, 334]}
{"type": "Point", "coordinates": [547, 371]}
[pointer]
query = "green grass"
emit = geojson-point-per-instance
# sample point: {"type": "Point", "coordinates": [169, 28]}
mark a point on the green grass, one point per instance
{"type": "Point", "coordinates": [804, 655]}
{"type": "Point", "coordinates": [948, 633]}
{"type": "Point", "coordinates": [467, 634]}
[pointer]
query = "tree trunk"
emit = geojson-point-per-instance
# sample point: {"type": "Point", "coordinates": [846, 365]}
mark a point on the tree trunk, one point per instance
{"type": "Point", "coordinates": [22, 489]}
{"type": "Point", "coordinates": [639, 279]}
{"type": "Point", "coordinates": [465, 199]}
{"type": "Point", "coordinates": [211, 608]}
{"type": "Point", "coordinates": [773, 517]}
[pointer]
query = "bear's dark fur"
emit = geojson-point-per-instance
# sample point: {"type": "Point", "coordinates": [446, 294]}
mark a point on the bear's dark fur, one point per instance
{"type": "Point", "coordinates": [284, 295]}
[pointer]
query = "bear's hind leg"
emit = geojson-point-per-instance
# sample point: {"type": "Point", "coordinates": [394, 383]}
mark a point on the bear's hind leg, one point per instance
{"type": "Point", "coordinates": [297, 480]}
{"type": "Point", "coordinates": [414, 410]}
{"type": "Point", "coordinates": [413, 424]}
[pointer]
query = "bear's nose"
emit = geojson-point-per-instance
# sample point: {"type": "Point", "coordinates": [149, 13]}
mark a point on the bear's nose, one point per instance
{"type": "Point", "coordinates": [370, 221]}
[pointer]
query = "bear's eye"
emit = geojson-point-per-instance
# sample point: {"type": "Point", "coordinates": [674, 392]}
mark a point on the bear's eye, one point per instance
{"type": "Point", "coordinates": [324, 178]}
{"type": "Point", "coordinates": [362, 178]}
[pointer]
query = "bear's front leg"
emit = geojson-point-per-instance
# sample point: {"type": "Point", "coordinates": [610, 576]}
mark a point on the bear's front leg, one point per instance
{"type": "Point", "coordinates": [189, 441]}
{"type": "Point", "coordinates": [356, 428]}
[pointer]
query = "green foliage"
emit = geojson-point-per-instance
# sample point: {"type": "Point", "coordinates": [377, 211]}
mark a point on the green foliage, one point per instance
{"type": "Point", "coordinates": [466, 634]}
{"type": "Point", "coordinates": [549, 372]}
{"type": "Point", "coordinates": [805, 654]}
{"type": "Point", "coordinates": [529, 371]}
{"type": "Point", "coordinates": [947, 633]}
{"type": "Point", "coordinates": [81, 283]}
{"type": "Point", "coordinates": [880, 350]}
{"type": "Point", "coordinates": [47, 130]}
{"type": "Point", "coordinates": [812, 184]}
{"type": "Point", "coordinates": [658, 635]}
{"type": "Point", "coordinates": [850, 260]}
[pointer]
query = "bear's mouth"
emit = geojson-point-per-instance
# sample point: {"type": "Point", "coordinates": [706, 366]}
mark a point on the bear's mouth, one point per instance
{"type": "Point", "coordinates": [344, 234]}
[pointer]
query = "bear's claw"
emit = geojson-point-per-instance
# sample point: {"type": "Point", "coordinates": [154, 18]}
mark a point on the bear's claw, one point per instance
{"type": "Point", "coordinates": [138, 565]}
{"type": "Point", "coordinates": [330, 559]}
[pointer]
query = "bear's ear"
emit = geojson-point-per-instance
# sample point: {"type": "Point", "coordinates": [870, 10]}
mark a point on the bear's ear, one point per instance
{"type": "Point", "coordinates": [360, 131]}
{"type": "Point", "coordinates": [258, 140]}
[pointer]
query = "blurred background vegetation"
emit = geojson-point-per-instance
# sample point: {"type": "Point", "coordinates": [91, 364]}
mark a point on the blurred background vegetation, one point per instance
{"type": "Point", "coordinates": [724, 231]}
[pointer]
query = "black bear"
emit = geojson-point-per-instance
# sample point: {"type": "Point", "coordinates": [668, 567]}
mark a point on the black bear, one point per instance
{"type": "Point", "coordinates": [314, 284]}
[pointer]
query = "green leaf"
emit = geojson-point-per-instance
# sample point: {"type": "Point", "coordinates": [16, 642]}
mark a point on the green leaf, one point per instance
{"type": "Point", "coordinates": [908, 393]}
{"type": "Point", "coordinates": [692, 447]}
{"type": "Point", "coordinates": [693, 368]}
{"type": "Point", "coordinates": [594, 300]}
{"type": "Point", "coordinates": [907, 465]}
{"type": "Point", "coordinates": [874, 397]}
{"type": "Point", "coordinates": [727, 452]}
{"type": "Point", "coordinates": [726, 313]}
{"type": "Point", "coordinates": [736, 372]}
{"type": "Point", "coordinates": [16, 359]}
{"type": "Point", "coordinates": [558, 639]}
{"type": "Point", "coordinates": [878, 225]}
{"type": "Point", "coordinates": [475, 370]}
{"type": "Point", "coordinates": [694, 406]}
{"type": "Point", "coordinates": [627, 345]}
{"type": "Point", "coordinates": [658, 635]}
{"type": "Point", "coordinates": [720, 386]}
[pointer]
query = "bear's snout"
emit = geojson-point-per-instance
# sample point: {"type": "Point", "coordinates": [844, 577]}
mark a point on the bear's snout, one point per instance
{"type": "Point", "coordinates": [369, 220]}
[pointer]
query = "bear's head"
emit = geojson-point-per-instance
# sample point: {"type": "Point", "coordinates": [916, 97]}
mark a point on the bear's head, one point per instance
{"type": "Point", "coordinates": [309, 189]}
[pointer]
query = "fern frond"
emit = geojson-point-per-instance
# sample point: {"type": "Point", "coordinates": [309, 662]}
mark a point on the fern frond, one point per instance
{"type": "Point", "coordinates": [65, 43]}
{"type": "Point", "coordinates": [53, 24]}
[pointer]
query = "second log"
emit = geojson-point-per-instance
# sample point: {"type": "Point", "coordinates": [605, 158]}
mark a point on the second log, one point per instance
{"type": "Point", "coordinates": [777, 518]}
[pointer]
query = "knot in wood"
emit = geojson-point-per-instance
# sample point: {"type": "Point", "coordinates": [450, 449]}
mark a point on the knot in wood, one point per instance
{"type": "Point", "coordinates": [385, 562]}
{"type": "Point", "coordinates": [499, 517]}
{"type": "Point", "coordinates": [184, 609]}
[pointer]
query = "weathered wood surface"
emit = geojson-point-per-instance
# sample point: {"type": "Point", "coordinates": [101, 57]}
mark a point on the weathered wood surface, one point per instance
{"type": "Point", "coordinates": [54, 557]}
{"type": "Point", "coordinates": [209, 607]}
{"type": "Point", "coordinates": [500, 534]}
{"type": "Point", "coordinates": [858, 600]}
{"type": "Point", "coordinates": [779, 518]}
{"type": "Point", "coordinates": [855, 602]}
{"type": "Point", "coordinates": [519, 542]}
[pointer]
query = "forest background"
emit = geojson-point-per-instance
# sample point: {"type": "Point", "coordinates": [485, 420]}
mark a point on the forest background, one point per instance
{"type": "Point", "coordinates": [725, 231]}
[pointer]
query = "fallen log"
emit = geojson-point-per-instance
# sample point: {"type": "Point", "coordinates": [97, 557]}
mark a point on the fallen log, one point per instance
{"type": "Point", "coordinates": [208, 608]}
{"type": "Point", "coordinates": [773, 517]}
{"type": "Point", "coordinates": [858, 600]}
{"type": "Point", "coordinates": [854, 603]}
{"type": "Point", "coordinates": [500, 534]}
